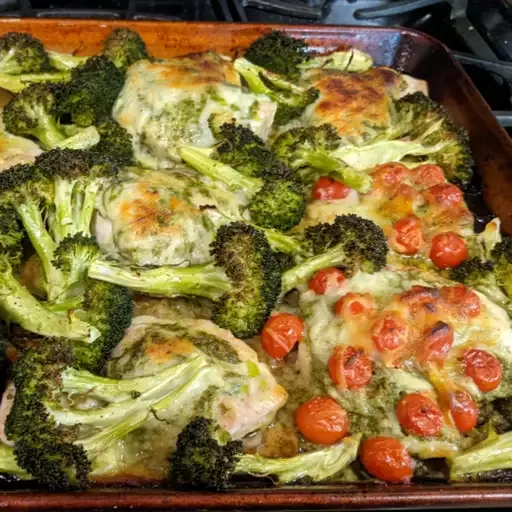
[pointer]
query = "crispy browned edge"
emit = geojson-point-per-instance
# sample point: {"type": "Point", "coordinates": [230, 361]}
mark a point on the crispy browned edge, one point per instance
{"type": "Point", "coordinates": [407, 50]}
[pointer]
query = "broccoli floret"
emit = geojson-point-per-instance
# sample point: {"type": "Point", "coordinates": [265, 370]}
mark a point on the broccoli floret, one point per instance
{"type": "Point", "coordinates": [33, 112]}
{"type": "Point", "coordinates": [309, 151]}
{"type": "Point", "coordinates": [279, 53]}
{"type": "Point", "coordinates": [291, 99]}
{"type": "Point", "coordinates": [277, 202]}
{"type": "Point", "coordinates": [245, 280]}
{"type": "Point", "coordinates": [243, 150]}
{"type": "Point", "coordinates": [205, 457]}
{"type": "Point", "coordinates": [124, 47]}
{"type": "Point", "coordinates": [17, 304]}
{"type": "Point", "coordinates": [57, 443]}
{"type": "Point", "coordinates": [115, 142]}
{"type": "Point", "coordinates": [425, 121]}
{"type": "Point", "coordinates": [351, 242]}
{"type": "Point", "coordinates": [8, 464]}
{"type": "Point", "coordinates": [21, 53]}
{"type": "Point", "coordinates": [501, 256]}
{"type": "Point", "coordinates": [65, 61]}
{"type": "Point", "coordinates": [92, 91]}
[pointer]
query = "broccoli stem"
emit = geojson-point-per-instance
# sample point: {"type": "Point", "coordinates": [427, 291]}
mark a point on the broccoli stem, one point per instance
{"type": "Point", "coordinates": [62, 223]}
{"type": "Point", "coordinates": [199, 280]}
{"type": "Point", "coordinates": [492, 454]}
{"type": "Point", "coordinates": [47, 131]}
{"type": "Point", "coordinates": [16, 83]}
{"type": "Point", "coordinates": [85, 138]}
{"type": "Point", "coordinates": [317, 466]}
{"type": "Point", "coordinates": [116, 390]}
{"type": "Point", "coordinates": [65, 61]}
{"type": "Point", "coordinates": [303, 271]}
{"type": "Point", "coordinates": [88, 205]}
{"type": "Point", "coordinates": [19, 306]}
{"type": "Point", "coordinates": [43, 244]}
{"type": "Point", "coordinates": [201, 162]}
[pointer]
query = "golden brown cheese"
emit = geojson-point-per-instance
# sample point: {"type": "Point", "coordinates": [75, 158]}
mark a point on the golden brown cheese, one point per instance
{"type": "Point", "coordinates": [353, 102]}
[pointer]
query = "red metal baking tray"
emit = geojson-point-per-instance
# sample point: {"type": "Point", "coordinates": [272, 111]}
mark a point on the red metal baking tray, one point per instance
{"type": "Point", "coordinates": [406, 50]}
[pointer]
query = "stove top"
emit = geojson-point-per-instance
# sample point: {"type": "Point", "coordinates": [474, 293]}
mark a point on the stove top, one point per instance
{"type": "Point", "coordinates": [479, 32]}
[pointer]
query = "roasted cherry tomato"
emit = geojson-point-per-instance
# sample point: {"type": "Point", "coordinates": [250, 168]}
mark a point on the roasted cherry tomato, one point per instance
{"type": "Point", "coordinates": [389, 175]}
{"type": "Point", "coordinates": [354, 304]}
{"type": "Point", "coordinates": [419, 415]}
{"type": "Point", "coordinates": [483, 368]}
{"type": "Point", "coordinates": [464, 300]}
{"type": "Point", "coordinates": [435, 344]}
{"type": "Point", "coordinates": [321, 420]}
{"type": "Point", "coordinates": [444, 194]}
{"type": "Point", "coordinates": [386, 458]}
{"type": "Point", "coordinates": [463, 410]}
{"type": "Point", "coordinates": [327, 189]}
{"type": "Point", "coordinates": [281, 333]}
{"type": "Point", "coordinates": [389, 332]}
{"type": "Point", "coordinates": [350, 367]}
{"type": "Point", "coordinates": [407, 235]}
{"type": "Point", "coordinates": [421, 299]}
{"type": "Point", "coordinates": [448, 250]}
{"type": "Point", "coordinates": [428, 175]}
{"type": "Point", "coordinates": [325, 279]}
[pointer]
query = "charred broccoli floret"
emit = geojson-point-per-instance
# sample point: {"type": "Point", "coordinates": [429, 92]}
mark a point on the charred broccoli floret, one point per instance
{"type": "Point", "coordinates": [309, 151]}
{"type": "Point", "coordinates": [90, 95]}
{"type": "Point", "coordinates": [21, 53]}
{"type": "Point", "coordinates": [291, 99]}
{"type": "Point", "coordinates": [279, 53]}
{"type": "Point", "coordinates": [243, 150]}
{"type": "Point", "coordinates": [205, 457]}
{"type": "Point", "coordinates": [351, 242]}
{"type": "Point", "coordinates": [276, 202]}
{"type": "Point", "coordinates": [33, 112]}
{"type": "Point", "coordinates": [124, 47]}
{"type": "Point", "coordinates": [425, 121]}
{"type": "Point", "coordinates": [115, 142]}
{"type": "Point", "coordinates": [501, 255]}
{"type": "Point", "coordinates": [245, 280]}
{"type": "Point", "coordinates": [57, 442]}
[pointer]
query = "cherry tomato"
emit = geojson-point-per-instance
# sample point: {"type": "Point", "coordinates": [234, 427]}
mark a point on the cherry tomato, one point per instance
{"type": "Point", "coordinates": [463, 410]}
{"type": "Point", "coordinates": [350, 368]}
{"type": "Point", "coordinates": [390, 175]}
{"type": "Point", "coordinates": [386, 458]}
{"type": "Point", "coordinates": [428, 175]}
{"type": "Point", "coordinates": [444, 194]}
{"type": "Point", "coordinates": [326, 189]}
{"type": "Point", "coordinates": [407, 235]}
{"type": "Point", "coordinates": [322, 421]}
{"type": "Point", "coordinates": [419, 415]}
{"type": "Point", "coordinates": [281, 333]}
{"type": "Point", "coordinates": [483, 368]}
{"type": "Point", "coordinates": [464, 300]}
{"type": "Point", "coordinates": [435, 344]}
{"type": "Point", "coordinates": [325, 279]}
{"type": "Point", "coordinates": [389, 332]}
{"type": "Point", "coordinates": [448, 250]}
{"type": "Point", "coordinates": [421, 299]}
{"type": "Point", "coordinates": [354, 304]}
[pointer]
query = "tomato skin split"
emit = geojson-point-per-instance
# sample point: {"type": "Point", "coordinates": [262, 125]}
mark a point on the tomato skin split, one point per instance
{"type": "Point", "coordinates": [407, 236]}
{"type": "Point", "coordinates": [445, 195]}
{"type": "Point", "coordinates": [435, 344]}
{"type": "Point", "coordinates": [483, 368]}
{"type": "Point", "coordinates": [428, 175]}
{"type": "Point", "coordinates": [390, 174]}
{"type": "Point", "coordinates": [325, 279]}
{"type": "Point", "coordinates": [389, 332]}
{"type": "Point", "coordinates": [387, 459]}
{"type": "Point", "coordinates": [322, 420]}
{"type": "Point", "coordinates": [419, 415]}
{"type": "Point", "coordinates": [327, 189]}
{"type": "Point", "coordinates": [463, 410]}
{"type": "Point", "coordinates": [281, 333]}
{"type": "Point", "coordinates": [353, 305]}
{"type": "Point", "coordinates": [350, 368]}
{"type": "Point", "coordinates": [464, 301]}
